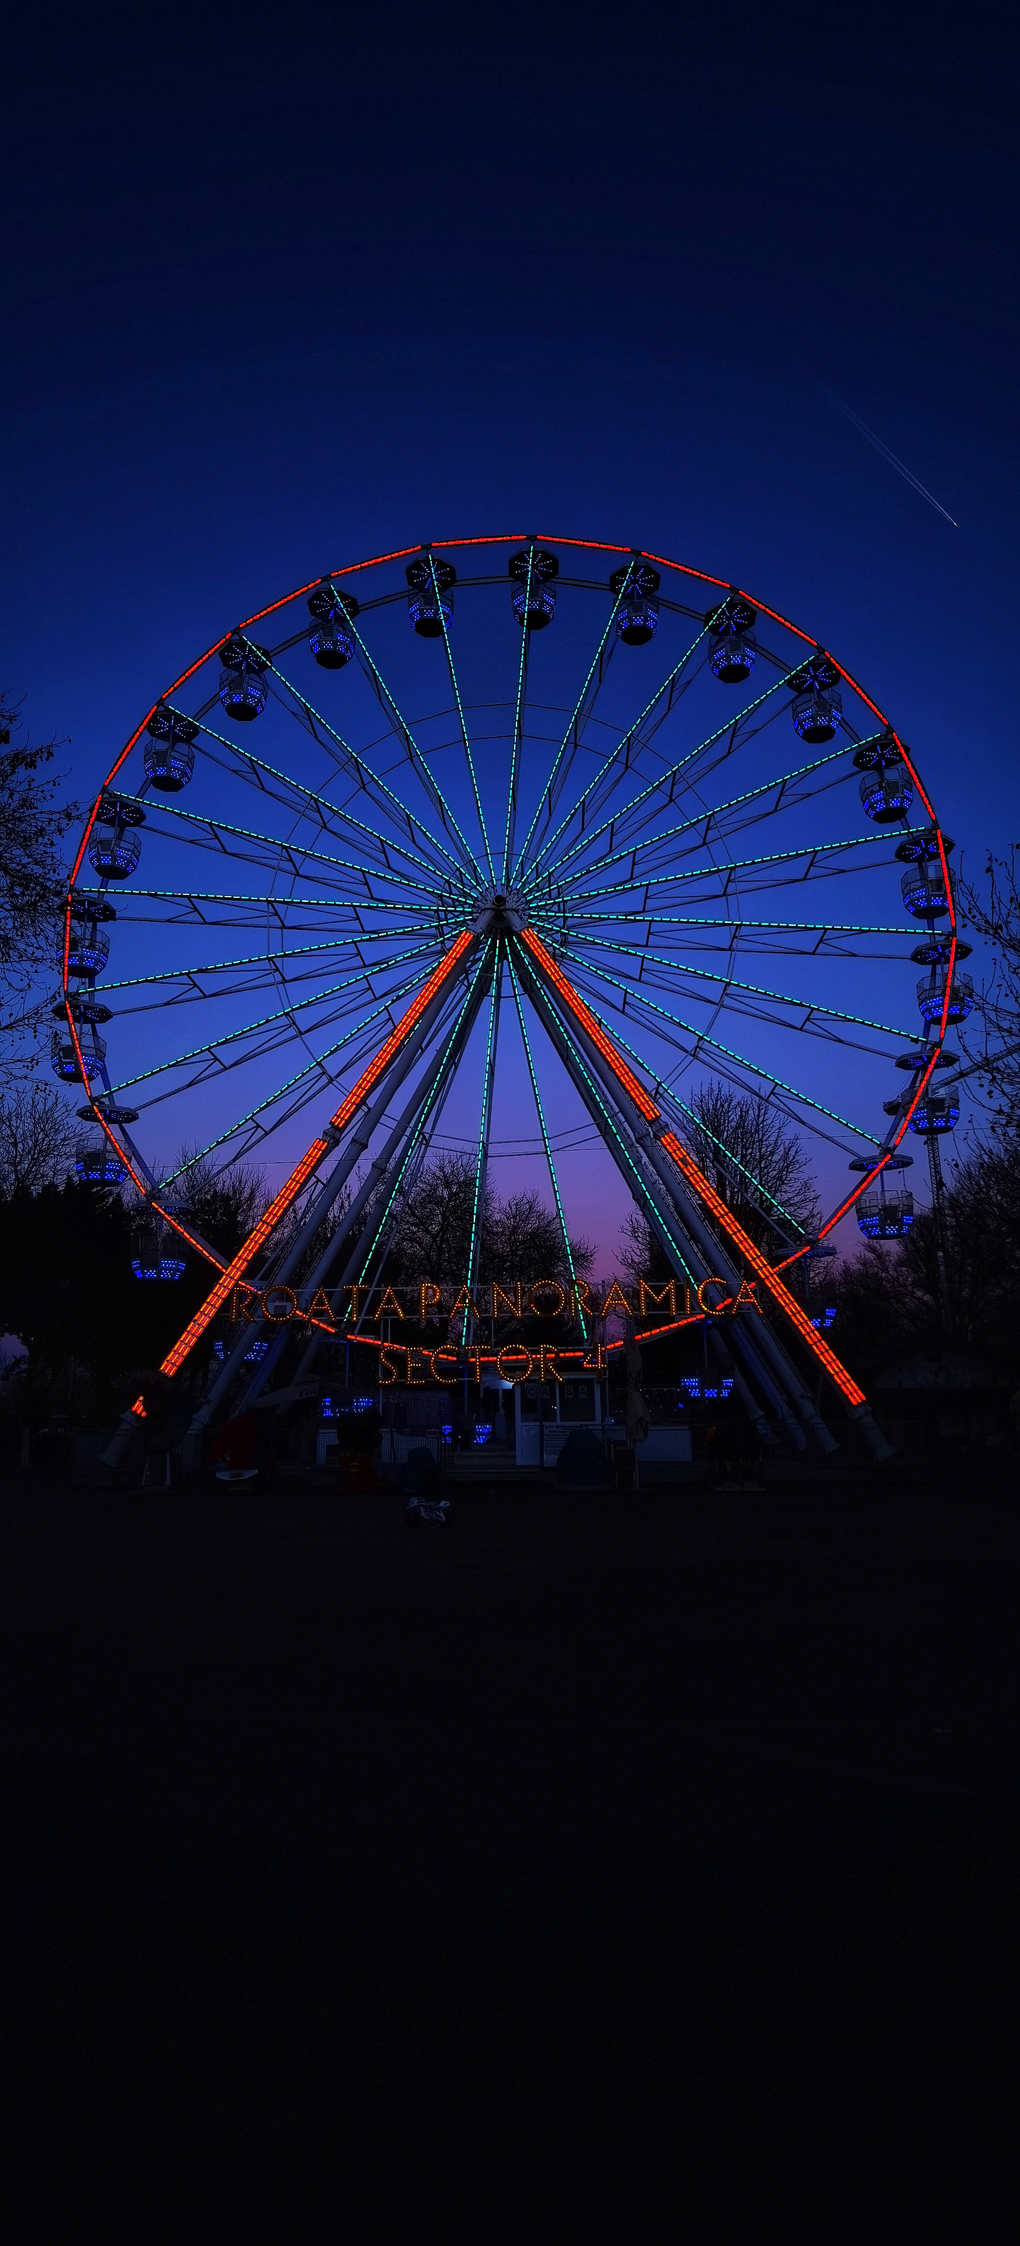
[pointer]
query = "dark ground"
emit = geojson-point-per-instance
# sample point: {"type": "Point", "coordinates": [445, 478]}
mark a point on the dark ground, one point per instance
{"type": "Point", "coordinates": [670, 1805]}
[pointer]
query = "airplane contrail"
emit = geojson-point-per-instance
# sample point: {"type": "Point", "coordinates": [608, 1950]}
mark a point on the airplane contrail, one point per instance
{"type": "Point", "coordinates": [888, 454]}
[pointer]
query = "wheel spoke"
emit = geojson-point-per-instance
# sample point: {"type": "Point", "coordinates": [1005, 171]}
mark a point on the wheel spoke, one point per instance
{"type": "Point", "coordinates": [189, 975]}
{"type": "Point", "coordinates": [465, 738]}
{"type": "Point", "coordinates": [547, 1143]}
{"type": "Point", "coordinates": [515, 753]}
{"type": "Point", "coordinates": [294, 855]}
{"type": "Point", "coordinates": [668, 778]}
{"type": "Point", "coordinates": [421, 1137]}
{"type": "Point", "coordinates": [813, 851]}
{"type": "Point", "coordinates": [808, 1006]}
{"type": "Point", "coordinates": [568, 747]}
{"type": "Point", "coordinates": [484, 1122]}
{"type": "Point", "coordinates": [701, 1038]}
{"type": "Point", "coordinates": [322, 1079]}
{"type": "Point", "coordinates": [246, 766]}
{"type": "Point", "coordinates": [403, 734]}
{"type": "Point", "coordinates": [302, 708]}
{"type": "Point", "coordinates": [282, 903]}
{"type": "Point", "coordinates": [622, 748]}
{"type": "Point", "coordinates": [285, 1013]}
{"type": "Point", "coordinates": [700, 826]}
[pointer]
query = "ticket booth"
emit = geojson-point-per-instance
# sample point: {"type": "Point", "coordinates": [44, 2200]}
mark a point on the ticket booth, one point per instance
{"type": "Point", "coordinates": [545, 1412]}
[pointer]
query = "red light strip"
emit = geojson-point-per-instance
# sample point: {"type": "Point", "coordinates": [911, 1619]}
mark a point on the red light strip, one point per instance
{"type": "Point", "coordinates": [586, 545]}
{"type": "Point", "coordinates": [289, 1191]}
{"type": "Point", "coordinates": [689, 1170]}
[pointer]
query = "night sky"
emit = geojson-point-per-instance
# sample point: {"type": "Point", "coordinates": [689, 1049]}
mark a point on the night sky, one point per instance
{"type": "Point", "coordinates": [285, 289]}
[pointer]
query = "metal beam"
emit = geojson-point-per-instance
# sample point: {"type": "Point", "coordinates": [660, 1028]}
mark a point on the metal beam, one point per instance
{"type": "Point", "coordinates": [413, 1115]}
{"type": "Point", "coordinates": [686, 1259]}
{"type": "Point", "coordinates": [677, 1170]}
{"type": "Point", "coordinates": [324, 1200]}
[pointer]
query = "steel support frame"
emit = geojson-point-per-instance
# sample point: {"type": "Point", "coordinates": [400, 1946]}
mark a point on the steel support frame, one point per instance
{"type": "Point", "coordinates": [316, 1153]}
{"type": "Point", "coordinates": [688, 1261]}
{"type": "Point", "coordinates": [671, 1163]}
{"type": "Point", "coordinates": [790, 1387]}
{"type": "Point", "coordinates": [364, 1131]}
{"type": "Point", "coordinates": [422, 1100]}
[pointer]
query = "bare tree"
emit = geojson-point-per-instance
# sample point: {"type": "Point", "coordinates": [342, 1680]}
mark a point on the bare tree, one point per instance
{"type": "Point", "coordinates": [892, 1295]}
{"type": "Point", "coordinates": [433, 1233]}
{"type": "Point", "coordinates": [757, 1166]}
{"type": "Point", "coordinates": [995, 914]}
{"type": "Point", "coordinates": [520, 1236]}
{"type": "Point", "coordinates": [224, 1207]}
{"type": "Point", "coordinates": [523, 1239]}
{"type": "Point", "coordinates": [641, 1253]}
{"type": "Point", "coordinates": [756, 1163]}
{"type": "Point", "coordinates": [37, 1139]}
{"type": "Point", "coordinates": [32, 872]}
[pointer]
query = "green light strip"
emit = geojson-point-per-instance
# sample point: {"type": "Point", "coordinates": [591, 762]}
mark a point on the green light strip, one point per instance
{"type": "Point", "coordinates": [287, 780]}
{"type": "Point", "coordinates": [423, 1118]}
{"type": "Point", "coordinates": [664, 1092]}
{"type": "Point", "coordinates": [701, 1037]}
{"type": "Point", "coordinates": [554, 1181]}
{"type": "Point", "coordinates": [484, 1121]}
{"type": "Point", "coordinates": [744, 865]}
{"type": "Point", "coordinates": [621, 746]}
{"type": "Point", "coordinates": [284, 849]}
{"type": "Point", "coordinates": [479, 813]}
{"type": "Point", "coordinates": [547, 792]}
{"type": "Point", "coordinates": [265, 958]}
{"type": "Point", "coordinates": [754, 990]}
{"type": "Point", "coordinates": [417, 761]}
{"type": "Point", "coordinates": [515, 755]}
{"type": "Point", "coordinates": [787, 927]}
{"type": "Point", "coordinates": [541, 1002]}
{"type": "Point", "coordinates": [705, 818]}
{"type": "Point", "coordinates": [281, 898]}
{"type": "Point", "coordinates": [671, 772]}
{"type": "Point", "coordinates": [365, 770]}
{"type": "Point", "coordinates": [316, 1069]}
{"type": "Point", "coordinates": [230, 1037]}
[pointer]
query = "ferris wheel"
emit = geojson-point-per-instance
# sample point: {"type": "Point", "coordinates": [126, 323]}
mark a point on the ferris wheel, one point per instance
{"type": "Point", "coordinates": [545, 804]}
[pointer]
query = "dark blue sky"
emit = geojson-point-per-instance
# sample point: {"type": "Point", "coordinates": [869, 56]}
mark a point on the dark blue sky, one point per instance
{"type": "Point", "coordinates": [285, 288]}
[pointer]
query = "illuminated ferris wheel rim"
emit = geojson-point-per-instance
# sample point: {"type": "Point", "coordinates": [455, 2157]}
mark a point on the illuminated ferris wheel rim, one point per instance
{"type": "Point", "coordinates": [506, 538]}
{"type": "Point", "coordinates": [873, 1169]}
